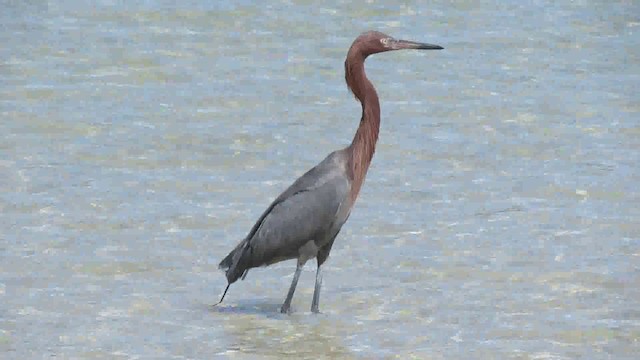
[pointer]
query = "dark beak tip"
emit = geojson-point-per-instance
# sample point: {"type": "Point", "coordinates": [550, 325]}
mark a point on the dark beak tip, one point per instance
{"type": "Point", "coordinates": [432, 47]}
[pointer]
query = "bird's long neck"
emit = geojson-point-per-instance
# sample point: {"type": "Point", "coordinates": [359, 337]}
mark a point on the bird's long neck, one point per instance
{"type": "Point", "coordinates": [364, 142]}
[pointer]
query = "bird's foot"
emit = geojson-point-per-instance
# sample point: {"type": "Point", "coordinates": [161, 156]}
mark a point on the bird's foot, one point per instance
{"type": "Point", "coordinates": [285, 309]}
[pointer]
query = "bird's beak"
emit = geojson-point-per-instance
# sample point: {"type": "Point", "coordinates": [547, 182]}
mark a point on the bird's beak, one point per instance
{"type": "Point", "coordinates": [404, 44]}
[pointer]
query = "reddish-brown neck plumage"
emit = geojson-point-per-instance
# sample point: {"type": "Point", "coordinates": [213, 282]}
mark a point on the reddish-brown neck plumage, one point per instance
{"type": "Point", "coordinates": [364, 142]}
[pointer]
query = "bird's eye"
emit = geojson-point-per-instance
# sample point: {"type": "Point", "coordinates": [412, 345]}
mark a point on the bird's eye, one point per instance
{"type": "Point", "coordinates": [385, 41]}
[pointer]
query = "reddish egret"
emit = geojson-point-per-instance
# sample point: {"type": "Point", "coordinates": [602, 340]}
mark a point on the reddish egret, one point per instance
{"type": "Point", "coordinates": [305, 219]}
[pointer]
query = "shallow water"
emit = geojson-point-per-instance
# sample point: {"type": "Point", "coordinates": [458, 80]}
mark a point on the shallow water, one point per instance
{"type": "Point", "coordinates": [140, 143]}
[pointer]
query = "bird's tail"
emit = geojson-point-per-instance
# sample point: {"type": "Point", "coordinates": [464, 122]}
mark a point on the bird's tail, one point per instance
{"type": "Point", "coordinates": [237, 263]}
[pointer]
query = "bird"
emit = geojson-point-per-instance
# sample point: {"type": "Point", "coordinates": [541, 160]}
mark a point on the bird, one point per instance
{"type": "Point", "coordinates": [303, 222]}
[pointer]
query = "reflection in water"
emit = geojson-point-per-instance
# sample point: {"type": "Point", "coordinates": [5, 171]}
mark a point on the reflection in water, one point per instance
{"type": "Point", "coordinates": [258, 328]}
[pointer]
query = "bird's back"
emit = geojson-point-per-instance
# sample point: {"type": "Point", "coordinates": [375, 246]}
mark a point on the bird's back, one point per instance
{"type": "Point", "coordinates": [314, 208]}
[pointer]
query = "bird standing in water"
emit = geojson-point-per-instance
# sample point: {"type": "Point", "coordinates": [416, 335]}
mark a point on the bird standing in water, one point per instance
{"type": "Point", "coordinates": [303, 222]}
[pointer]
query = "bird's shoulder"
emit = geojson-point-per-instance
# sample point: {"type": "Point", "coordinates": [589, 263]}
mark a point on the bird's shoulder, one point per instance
{"type": "Point", "coordinates": [320, 192]}
{"type": "Point", "coordinates": [333, 169]}
{"type": "Point", "coordinates": [312, 208]}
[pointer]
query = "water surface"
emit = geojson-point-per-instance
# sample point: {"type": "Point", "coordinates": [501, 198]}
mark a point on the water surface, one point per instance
{"type": "Point", "coordinates": [139, 143]}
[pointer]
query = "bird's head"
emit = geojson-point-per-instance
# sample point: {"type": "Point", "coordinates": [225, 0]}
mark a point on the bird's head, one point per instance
{"type": "Point", "coordinates": [373, 42]}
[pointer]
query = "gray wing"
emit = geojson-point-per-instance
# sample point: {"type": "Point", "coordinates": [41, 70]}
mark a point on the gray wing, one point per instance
{"type": "Point", "coordinates": [309, 214]}
{"type": "Point", "coordinates": [308, 210]}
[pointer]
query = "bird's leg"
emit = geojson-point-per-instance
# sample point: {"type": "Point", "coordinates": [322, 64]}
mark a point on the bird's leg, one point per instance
{"type": "Point", "coordinates": [287, 302]}
{"type": "Point", "coordinates": [315, 305]}
{"type": "Point", "coordinates": [323, 254]}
